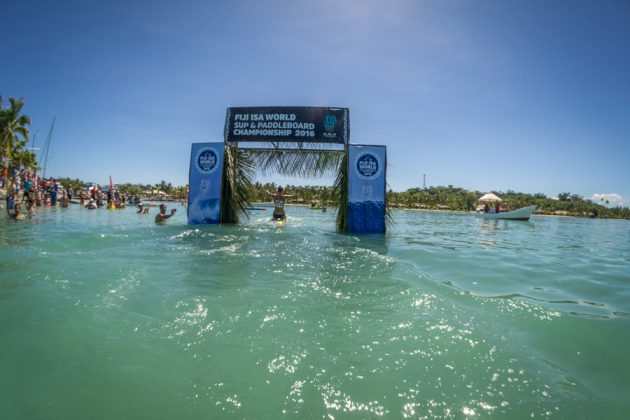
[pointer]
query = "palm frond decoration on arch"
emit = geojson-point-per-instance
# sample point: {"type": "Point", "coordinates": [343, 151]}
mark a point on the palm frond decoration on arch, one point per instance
{"type": "Point", "coordinates": [238, 174]}
{"type": "Point", "coordinates": [242, 165]}
{"type": "Point", "coordinates": [305, 163]}
{"type": "Point", "coordinates": [340, 193]}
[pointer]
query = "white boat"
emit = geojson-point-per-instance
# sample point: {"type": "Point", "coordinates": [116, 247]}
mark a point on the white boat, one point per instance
{"type": "Point", "coordinates": [519, 214]}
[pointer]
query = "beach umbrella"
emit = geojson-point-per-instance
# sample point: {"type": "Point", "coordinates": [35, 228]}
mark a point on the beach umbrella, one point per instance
{"type": "Point", "coordinates": [490, 197]}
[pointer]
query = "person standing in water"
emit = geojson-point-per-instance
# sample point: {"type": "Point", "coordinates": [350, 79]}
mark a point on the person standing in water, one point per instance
{"type": "Point", "coordinates": [278, 203]}
{"type": "Point", "coordinates": [142, 209]}
{"type": "Point", "coordinates": [161, 217]}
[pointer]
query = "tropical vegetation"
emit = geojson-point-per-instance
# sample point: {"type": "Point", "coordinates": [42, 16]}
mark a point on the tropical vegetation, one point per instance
{"type": "Point", "coordinates": [459, 199]}
{"type": "Point", "coordinates": [162, 188]}
{"type": "Point", "coordinates": [433, 198]}
{"type": "Point", "coordinates": [14, 135]}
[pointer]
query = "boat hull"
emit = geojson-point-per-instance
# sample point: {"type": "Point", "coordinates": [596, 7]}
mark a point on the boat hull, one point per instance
{"type": "Point", "coordinates": [519, 214]}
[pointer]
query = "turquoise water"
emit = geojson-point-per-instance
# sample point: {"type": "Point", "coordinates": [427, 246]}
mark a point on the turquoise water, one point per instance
{"type": "Point", "coordinates": [105, 315]}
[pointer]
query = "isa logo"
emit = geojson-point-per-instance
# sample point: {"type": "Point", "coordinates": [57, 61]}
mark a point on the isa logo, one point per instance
{"type": "Point", "coordinates": [206, 160]}
{"type": "Point", "coordinates": [330, 122]}
{"type": "Point", "coordinates": [368, 166]}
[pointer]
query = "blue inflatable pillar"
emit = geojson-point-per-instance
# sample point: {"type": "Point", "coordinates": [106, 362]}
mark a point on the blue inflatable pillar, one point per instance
{"type": "Point", "coordinates": [366, 188]}
{"type": "Point", "coordinates": [204, 180]}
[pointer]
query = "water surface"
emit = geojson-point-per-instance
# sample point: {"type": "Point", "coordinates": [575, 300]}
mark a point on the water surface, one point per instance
{"type": "Point", "coordinates": [103, 314]}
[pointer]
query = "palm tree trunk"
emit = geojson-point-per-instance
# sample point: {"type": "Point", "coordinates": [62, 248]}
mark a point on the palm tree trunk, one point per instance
{"type": "Point", "coordinates": [340, 192]}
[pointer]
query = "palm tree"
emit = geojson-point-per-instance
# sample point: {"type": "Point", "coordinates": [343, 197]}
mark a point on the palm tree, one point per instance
{"type": "Point", "coordinates": [13, 130]}
{"type": "Point", "coordinates": [161, 186]}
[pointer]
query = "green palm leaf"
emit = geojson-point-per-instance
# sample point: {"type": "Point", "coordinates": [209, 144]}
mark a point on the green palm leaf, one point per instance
{"type": "Point", "coordinates": [305, 163]}
{"type": "Point", "coordinates": [238, 174]}
{"type": "Point", "coordinates": [242, 165]}
{"type": "Point", "coordinates": [14, 134]}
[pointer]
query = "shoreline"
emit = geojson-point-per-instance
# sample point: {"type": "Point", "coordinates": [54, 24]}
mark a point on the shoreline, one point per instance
{"type": "Point", "coordinates": [270, 204]}
{"type": "Point", "coordinates": [462, 211]}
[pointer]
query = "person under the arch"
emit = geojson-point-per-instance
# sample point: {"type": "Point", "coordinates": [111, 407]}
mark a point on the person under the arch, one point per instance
{"type": "Point", "coordinates": [278, 202]}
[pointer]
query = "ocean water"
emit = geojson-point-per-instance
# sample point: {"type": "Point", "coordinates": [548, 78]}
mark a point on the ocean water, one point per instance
{"type": "Point", "coordinates": [104, 315]}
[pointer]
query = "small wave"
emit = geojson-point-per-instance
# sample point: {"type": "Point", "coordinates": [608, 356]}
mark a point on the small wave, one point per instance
{"type": "Point", "coordinates": [561, 302]}
{"type": "Point", "coordinates": [588, 315]}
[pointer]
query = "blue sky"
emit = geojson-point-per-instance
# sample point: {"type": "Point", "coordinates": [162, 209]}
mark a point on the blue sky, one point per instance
{"type": "Point", "coordinates": [532, 96]}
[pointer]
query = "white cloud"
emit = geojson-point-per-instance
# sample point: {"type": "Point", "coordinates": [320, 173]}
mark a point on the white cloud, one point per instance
{"type": "Point", "coordinates": [612, 198]}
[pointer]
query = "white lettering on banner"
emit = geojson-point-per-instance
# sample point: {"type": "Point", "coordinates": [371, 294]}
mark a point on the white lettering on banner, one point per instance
{"type": "Point", "coordinates": [272, 132]}
{"type": "Point", "coordinates": [257, 132]}
{"type": "Point", "coordinates": [272, 125]}
{"type": "Point", "coordinates": [368, 165]}
{"type": "Point", "coordinates": [205, 183]}
{"type": "Point", "coordinates": [280, 117]}
{"type": "Point", "coordinates": [294, 125]}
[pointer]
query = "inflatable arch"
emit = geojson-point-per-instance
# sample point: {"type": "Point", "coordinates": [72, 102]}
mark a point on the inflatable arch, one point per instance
{"type": "Point", "coordinates": [305, 141]}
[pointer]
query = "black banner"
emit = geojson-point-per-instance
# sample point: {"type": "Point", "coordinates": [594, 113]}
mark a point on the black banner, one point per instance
{"type": "Point", "coordinates": [288, 124]}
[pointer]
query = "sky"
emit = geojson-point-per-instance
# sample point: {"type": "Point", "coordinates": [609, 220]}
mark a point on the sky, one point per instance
{"type": "Point", "coordinates": [530, 96]}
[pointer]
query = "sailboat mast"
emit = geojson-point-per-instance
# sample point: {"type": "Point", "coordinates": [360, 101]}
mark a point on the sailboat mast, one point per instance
{"type": "Point", "coordinates": [33, 140]}
{"type": "Point", "coordinates": [47, 146]}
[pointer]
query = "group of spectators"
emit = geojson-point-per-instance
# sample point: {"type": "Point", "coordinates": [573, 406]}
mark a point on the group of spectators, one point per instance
{"type": "Point", "coordinates": [488, 209]}
{"type": "Point", "coordinates": [27, 192]}
{"type": "Point", "coordinates": [94, 197]}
